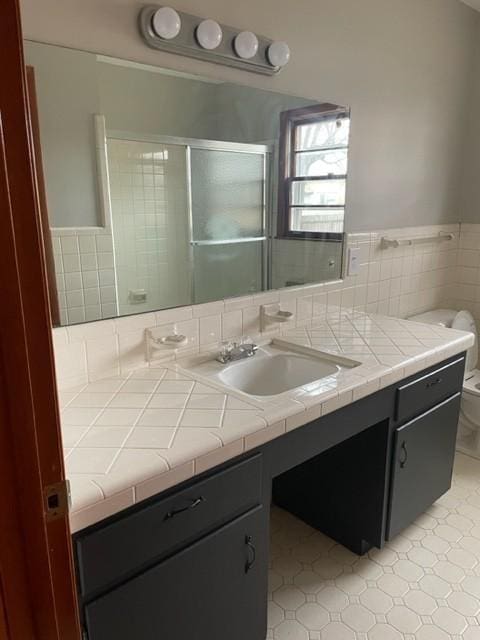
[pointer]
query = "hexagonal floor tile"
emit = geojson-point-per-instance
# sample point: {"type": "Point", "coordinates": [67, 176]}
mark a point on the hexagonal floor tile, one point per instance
{"type": "Point", "coordinates": [351, 584]}
{"type": "Point", "coordinates": [328, 568]}
{"type": "Point", "coordinates": [333, 599]}
{"type": "Point", "coordinates": [431, 632]}
{"type": "Point", "coordinates": [275, 614]}
{"type": "Point", "coordinates": [384, 632]}
{"type": "Point", "coordinates": [289, 597]}
{"type": "Point", "coordinates": [471, 585]}
{"type": "Point", "coordinates": [449, 620]}
{"type": "Point", "coordinates": [337, 631]}
{"type": "Point", "coordinates": [290, 630]}
{"type": "Point", "coordinates": [464, 603]}
{"type": "Point", "coordinates": [393, 585]}
{"type": "Point", "coordinates": [308, 581]}
{"type": "Point", "coordinates": [403, 619]}
{"type": "Point", "coordinates": [420, 602]}
{"type": "Point", "coordinates": [358, 618]}
{"type": "Point", "coordinates": [286, 566]}
{"type": "Point", "coordinates": [462, 558]}
{"type": "Point", "coordinates": [313, 616]}
{"type": "Point", "coordinates": [423, 585]}
{"type": "Point", "coordinates": [435, 586]}
{"type": "Point", "coordinates": [449, 571]}
{"type": "Point", "coordinates": [408, 570]}
{"type": "Point", "coordinates": [422, 557]}
{"type": "Point", "coordinates": [376, 600]}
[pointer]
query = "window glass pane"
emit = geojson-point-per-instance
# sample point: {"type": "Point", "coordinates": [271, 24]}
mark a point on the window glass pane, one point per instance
{"type": "Point", "coordinates": [324, 134]}
{"type": "Point", "coordinates": [317, 220]}
{"type": "Point", "coordinates": [321, 163]}
{"type": "Point", "coordinates": [318, 193]}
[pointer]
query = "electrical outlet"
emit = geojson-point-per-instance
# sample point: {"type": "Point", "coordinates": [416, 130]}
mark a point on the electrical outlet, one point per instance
{"type": "Point", "coordinates": [353, 262]}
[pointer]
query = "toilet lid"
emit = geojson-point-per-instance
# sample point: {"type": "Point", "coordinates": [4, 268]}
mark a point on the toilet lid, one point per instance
{"type": "Point", "coordinates": [464, 322]}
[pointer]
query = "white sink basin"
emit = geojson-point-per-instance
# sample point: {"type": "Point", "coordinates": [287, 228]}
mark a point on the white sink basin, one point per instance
{"type": "Point", "coordinates": [275, 369]}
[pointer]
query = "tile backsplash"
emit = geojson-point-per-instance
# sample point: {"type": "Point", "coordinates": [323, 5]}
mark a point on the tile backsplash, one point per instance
{"type": "Point", "coordinates": [397, 281]}
{"type": "Point", "coordinates": [464, 291]}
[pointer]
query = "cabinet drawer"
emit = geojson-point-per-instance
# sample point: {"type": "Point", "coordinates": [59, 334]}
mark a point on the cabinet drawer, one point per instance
{"type": "Point", "coordinates": [131, 543]}
{"type": "Point", "coordinates": [213, 590]}
{"type": "Point", "coordinates": [425, 392]}
{"type": "Point", "coordinates": [422, 466]}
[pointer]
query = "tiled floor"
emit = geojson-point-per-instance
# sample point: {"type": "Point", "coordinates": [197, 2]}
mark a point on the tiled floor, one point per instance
{"type": "Point", "coordinates": [424, 585]}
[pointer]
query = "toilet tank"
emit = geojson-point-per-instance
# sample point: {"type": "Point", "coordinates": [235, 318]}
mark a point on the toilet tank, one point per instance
{"type": "Point", "coordinates": [442, 317]}
{"type": "Point", "coordinates": [464, 321]}
{"type": "Point", "coordinates": [461, 320]}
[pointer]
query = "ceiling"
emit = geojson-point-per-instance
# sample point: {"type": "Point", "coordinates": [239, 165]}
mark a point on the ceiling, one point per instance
{"type": "Point", "coordinates": [473, 3]}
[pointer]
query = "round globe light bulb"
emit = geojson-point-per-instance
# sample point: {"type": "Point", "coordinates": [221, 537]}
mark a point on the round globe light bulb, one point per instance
{"type": "Point", "coordinates": [209, 34]}
{"type": "Point", "coordinates": [166, 23]}
{"type": "Point", "coordinates": [278, 54]}
{"type": "Point", "coordinates": [245, 45]}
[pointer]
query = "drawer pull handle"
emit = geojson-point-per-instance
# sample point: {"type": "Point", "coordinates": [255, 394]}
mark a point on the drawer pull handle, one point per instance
{"type": "Point", "coordinates": [403, 460]}
{"type": "Point", "coordinates": [194, 503]}
{"type": "Point", "coordinates": [253, 553]}
{"type": "Point", "coordinates": [434, 383]}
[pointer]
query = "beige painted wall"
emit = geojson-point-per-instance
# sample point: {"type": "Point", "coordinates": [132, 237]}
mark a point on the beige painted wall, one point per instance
{"type": "Point", "coordinates": [470, 194]}
{"type": "Point", "coordinates": [403, 67]}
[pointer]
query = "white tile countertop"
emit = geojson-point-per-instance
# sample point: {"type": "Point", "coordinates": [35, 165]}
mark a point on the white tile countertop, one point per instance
{"type": "Point", "coordinates": [128, 438]}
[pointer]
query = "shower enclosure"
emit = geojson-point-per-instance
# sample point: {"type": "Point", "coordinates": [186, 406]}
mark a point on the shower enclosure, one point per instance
{"type": "Point", "coordinates": [189, 219]}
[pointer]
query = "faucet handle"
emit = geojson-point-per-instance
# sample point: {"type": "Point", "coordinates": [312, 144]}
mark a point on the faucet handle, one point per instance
{"type": "Point", "coordinates": [227, 347]}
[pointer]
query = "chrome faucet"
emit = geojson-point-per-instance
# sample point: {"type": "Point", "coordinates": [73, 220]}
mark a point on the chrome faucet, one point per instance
{"type": "Point", "coordinates": [236, 351]}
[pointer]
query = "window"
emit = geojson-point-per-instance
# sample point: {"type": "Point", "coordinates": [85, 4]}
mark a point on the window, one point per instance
{"type": "Point", "coordinates": [313, 172]}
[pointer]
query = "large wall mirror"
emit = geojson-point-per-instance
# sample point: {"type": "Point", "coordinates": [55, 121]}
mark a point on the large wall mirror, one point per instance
{"type": "Point", "coordinates": [164, 189]}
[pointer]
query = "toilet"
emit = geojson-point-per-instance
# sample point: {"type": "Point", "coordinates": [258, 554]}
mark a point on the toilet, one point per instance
{"type": "Point", "coordinates": [468, 438]}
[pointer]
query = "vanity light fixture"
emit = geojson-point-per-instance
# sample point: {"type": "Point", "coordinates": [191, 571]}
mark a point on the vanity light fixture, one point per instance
{"type": "Point", "coordinates": [278, 54]}
{"type": "Point", "coordinates": [166, 23]}
{"type": "Point", "coordinates": [173, 31]}
{"type": "Point", "coordinates": [245, 45]}
{"type": "Point", "coordinates": [209, 34]}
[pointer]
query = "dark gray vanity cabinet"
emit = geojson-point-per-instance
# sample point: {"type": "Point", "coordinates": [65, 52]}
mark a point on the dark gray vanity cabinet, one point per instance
{"type": "Point", "coordinates": [213, 590]}
{"type": "Point", "coordinates": [422, 468]}
{"type": "Point", "coordinates": [380, 462]}
{"type": "Point", "coordinates": [191, 563]}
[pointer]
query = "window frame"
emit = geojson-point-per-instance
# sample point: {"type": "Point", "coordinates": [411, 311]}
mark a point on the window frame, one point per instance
{"type": "Point", "coordinates": [289, 122]}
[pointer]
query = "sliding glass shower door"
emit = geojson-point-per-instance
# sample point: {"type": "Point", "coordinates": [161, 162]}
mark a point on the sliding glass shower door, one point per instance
{"type": "Point", "coordinates": [188, 220]}
{"type": "Point", "coordinates": [227, 220]}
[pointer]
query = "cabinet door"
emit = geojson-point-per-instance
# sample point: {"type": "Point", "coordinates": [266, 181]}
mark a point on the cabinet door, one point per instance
{"type": "Point", "coordinates": [422, 467]}
{"type": "Point", "coordinates": [213, 590]}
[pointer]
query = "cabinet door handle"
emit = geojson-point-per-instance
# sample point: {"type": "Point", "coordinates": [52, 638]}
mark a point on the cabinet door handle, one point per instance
{"type": "Point", "coordinates": [403, 460]}
{"type": "Point", "coordinates": [434, 383]}
{"type": "Point", "coordinates": [193, 504]}
{"type": "Point", "coordinates": [252, 552]}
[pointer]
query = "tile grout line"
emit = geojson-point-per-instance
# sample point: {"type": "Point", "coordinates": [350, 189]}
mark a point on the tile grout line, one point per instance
{"type": "Point", "coordinates": [135, 422]}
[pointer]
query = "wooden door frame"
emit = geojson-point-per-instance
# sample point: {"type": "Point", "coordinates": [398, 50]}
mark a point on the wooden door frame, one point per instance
{"type": "Point", "coordinates": [37, 584]}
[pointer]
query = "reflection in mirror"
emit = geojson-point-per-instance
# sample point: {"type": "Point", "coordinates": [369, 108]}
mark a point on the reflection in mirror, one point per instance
{"type": "Point", "coordinates": [165, 189]}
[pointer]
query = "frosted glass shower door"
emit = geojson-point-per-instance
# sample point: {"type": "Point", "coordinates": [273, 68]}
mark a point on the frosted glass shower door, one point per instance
{"type": "Point", "coordinates": [227, 221]}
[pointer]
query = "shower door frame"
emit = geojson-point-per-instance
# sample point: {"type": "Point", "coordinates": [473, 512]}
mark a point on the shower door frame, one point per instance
{"type": "Point", "coordinates": [188, 144]}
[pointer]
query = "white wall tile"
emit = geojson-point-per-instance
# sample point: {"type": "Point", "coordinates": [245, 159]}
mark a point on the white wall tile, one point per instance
{"type": "Point", "coordinates": [396, 282]}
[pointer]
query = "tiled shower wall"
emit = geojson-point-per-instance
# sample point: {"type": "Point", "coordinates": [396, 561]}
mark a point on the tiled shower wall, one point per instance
{"type": "Point", "coordinates": [148, 209]}
{"type": "Point", "coordinates": [85, 274]}
{"type": "Point", "coordinates": [397, 282]}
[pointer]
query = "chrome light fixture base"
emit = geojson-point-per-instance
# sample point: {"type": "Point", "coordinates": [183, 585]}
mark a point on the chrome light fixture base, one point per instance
{"type": "Point", "coordinates": [186, 44]}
